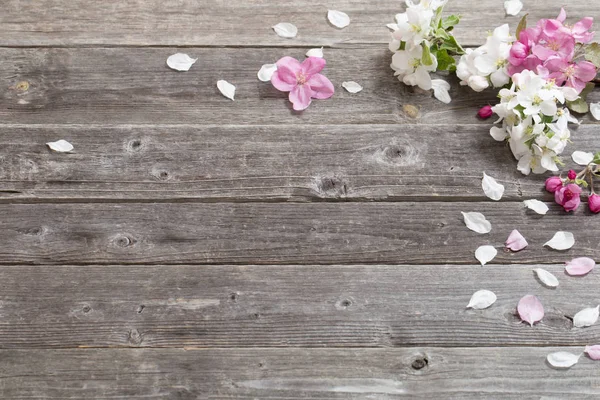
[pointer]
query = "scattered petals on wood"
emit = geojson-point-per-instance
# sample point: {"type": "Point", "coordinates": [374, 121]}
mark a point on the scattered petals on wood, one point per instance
{"type": "Point", "coordinates": [561, 241]}
{"type": "Point", "coordinates": [180, 62]}
{"type": "Point", "coordinates": [338, 19]}
{"type": "Point", "coordinates": [530, 309]}
{"type": "Point", "coordinates": [441, 90]}
{"type": "Point", "coordinates": [513, 7]}
{"type": "Point", "coordinates": [547, 278]}
{"type": "Point", "coordinates": [562, 359]}
{"type": "Point", "coordinates": [476, 222]}
{"type": "Point", "coordinates": [537, 206]}
{"type": "Point", "coordinates": [318, 52]}
{"type": "Point", "coordinates": [582, 158]}
{"type": "Point", "coordinates": [491, 187]}
{"type": "Point", "coordinates": [586, 317]}
{"type": "Point", "coordinates": [286, 30]}
{"type": "Point", "coordinates": [352, 87]}
{"type": "Point", "coordinates": [60, 146]}
{"type": "Point", "coordinates": [593, 351]}
{"type": "Point", "coordinates": [516, 241]}
{"type": "Point", "coordinates": [482, 299]}
{"type": "Point", "coordinates": [485, 254]}
{"type": "Point", "coordinates": [266, 72]}
{"type": "Point", "coordinates": [227, 89]}
{"type": "Point", "coordinates": [580, 266]}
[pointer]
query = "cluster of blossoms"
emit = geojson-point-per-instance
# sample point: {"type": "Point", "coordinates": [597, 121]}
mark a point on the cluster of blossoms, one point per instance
{"type": "Point", "coordinates": [567, 192]}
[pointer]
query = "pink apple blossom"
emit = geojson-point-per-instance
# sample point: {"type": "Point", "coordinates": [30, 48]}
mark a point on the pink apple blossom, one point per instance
{"type": "Point", "coordinates": [568, 197]}
{"type": "Point", "coordinates": [553, 184]}
{"type": "Point", "coordinates": [580, 31]}
{"type": "Point", "coordinates": [302, 80]}
{"type": "Point", "coordinates": [571, 74]}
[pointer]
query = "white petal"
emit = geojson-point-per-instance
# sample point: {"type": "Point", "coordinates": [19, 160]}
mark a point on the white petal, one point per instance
{"type": "Point", "coordinates": [266, 71]}
{"type": "Point", "coordinates": [482, 299]}
{"type": "Point", "coordinates": [499, 134]}
{"type": "Point", "coordinates": [286, 30]}
{"type": "Point", "coordinates": [440, 90]}
{"type": "Point", "coordinates": [476, 222]}
{"type": "Point", "coordinates": [562, 359]}
{"type": "Point", "coordinates": [595, 110]}
{"type": "Point", "coordinates": [318, 52]}
{"type": "Point", "coordinates": [582, 158]}
{"type": "Point", "coordinates": [61, 146]}
{"type": "Point", "coordinates": [338, 18]}
{"type": "Point", "coordinates": [586, 317]}
{"type": "Point", "coordinates": [513, 7]}
{"type": "Point", "coordinates": [485, 254]}
{"type": "Point", "coordinates": [180, 62]}
{"type": "Point", "coordinates": [227, 89]}
{"type": "Point", "coordinates": [393, 27]}
{"type": "Point", "coordinates": [561, 241]}
{"type": "Point", "coordinates": [547, 278]}
{"type": "Point", "coordinates": [491, 188]}
{"type": "Point", "coordinates": [537, 206]}
{"type": "Point", "coordinates": [352, 87]}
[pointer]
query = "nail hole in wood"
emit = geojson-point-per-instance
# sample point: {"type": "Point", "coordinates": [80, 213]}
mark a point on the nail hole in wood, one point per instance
{"type": "Point", "coordinates": [420, 363]}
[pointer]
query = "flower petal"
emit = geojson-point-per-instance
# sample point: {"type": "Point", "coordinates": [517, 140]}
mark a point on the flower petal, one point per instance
{"type": "Point", "coordinates": [586, 317]}
{"type": "Point", "coordinates": [60, 146]}
{"type": "Point", "coordinates": [312, 66]}
{"type": "Point", "coordinates": [593, 352]}
{"type": "Point", "coordinates": [582, 158]}
{"type": "Point", "coordinates": [537, 206]}
{"type": "Point", "coordinates": [530, 309]}
{"type": "Point", "coordinates": [595, 110]}
{"type": "Point", "coordinates": [288, 69]}
{"type": "Point", "coordinates": [338, 19]}
{"type": "Point", "coordinates": [300, 97]}
{"type": "Point", "coordinates": [580, 266]}
{"type": "Point", "coordinates": [440, 90]}
{"type": "Point", "coordinates": [318, 52]}
{"type": "Point", "coordinates": [485, 254]}
{"type": "Point", "coordinates": [516, 241]}
{"type": "Point", "coordinates": [476, 222]}
{"type": "Point", "coordinates": [482, 299]}
{"type": "Point", "coordinates": [562, 359]}
{"type": "Point", "coordinates": [322, 88]}
{"type": "Point", "coordinates": [513, 7]}
{"type": "Point", "coordinates": [266, 72]}
{"type": "Point", "coordinates": [561, 241]}
{"type": "Point", "coordinates": [491, 188]}
{"type": "Point", "coordinates": [286, 30]}
{"type": "Point", "coordinates": [352, 86]}
{"type": "Point", "coordinates": [180, 62]}
{"type": "Point", "coordinates": [226, 89]}
{"type": "Point", "coordinates": [547, 278]}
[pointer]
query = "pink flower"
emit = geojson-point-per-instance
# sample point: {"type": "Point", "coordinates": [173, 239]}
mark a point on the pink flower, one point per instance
{"type": "Point", "coordinates": [594, 203]}
{"type": "Point", "coordinates": [557, 44]}
{"type": "Point", "coordinates": [572, 175]}
{"type": "Point", "coordinates": [485, 112]}
{"type": "Point", "coordinates": [568, 197]}
{"type": "Point", "coordinates": [579, 31]}
{"type": "Point", "coordinates": [570, 74]}
{"type": "Point", "coordinates": [553, 184]}
{"type": "Point", "coordinates": [303, 81]}
{"type": "Point", "coordinates": [520, 57]}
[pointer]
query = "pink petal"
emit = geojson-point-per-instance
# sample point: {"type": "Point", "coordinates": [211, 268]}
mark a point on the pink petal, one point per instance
{"type": "Point", "coordinates": [543, 53]}
{"type": "Point", "coordinates": [321, 86]}
{"type": "Point", "coordinates": [585, 71]}
{"type": "Point", "coordinates": [300, 97]}
{"type": "Point", "coordinates": [593, 351]}
{"type": "Point", "coordinates": [583, 25]}
{"type": "Point", "coordinates": [280, 84]}
{"type": "Point", "coordinates": [313, 65]}
{"type": "Point", "coordinates": [530, 309]}
{"type": "Point", "coordinates": [516, 241]}
{"type": "Point", "coordinates": [562, 16]}
{"type": "Point", "coordinates": [288, 69]}
{"type": "Point", "coordinates": [580, 266]}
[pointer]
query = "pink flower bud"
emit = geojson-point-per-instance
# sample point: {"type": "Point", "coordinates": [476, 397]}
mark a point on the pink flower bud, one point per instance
{"type": "Point", "coordinates": [568, 197]}
{"type": "Point", "coordinates": [572, 175]}
{"type": "Point", "coordinates": [594, 203]}
{"type": "Point", "coordinates": [553, 184]}
{"type": "Point", "coordinates": [485, 112]}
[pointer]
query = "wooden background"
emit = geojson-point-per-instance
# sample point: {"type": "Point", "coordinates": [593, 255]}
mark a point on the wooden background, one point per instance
{"type": "Point", "coordinates": [192, 247]}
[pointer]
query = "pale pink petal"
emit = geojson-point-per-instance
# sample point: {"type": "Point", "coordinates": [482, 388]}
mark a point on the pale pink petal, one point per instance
{"type": "Point", "coordinates": [516, 241]}
{"type": "Point", "coordinates": [321, 86]}
{"type": "Point", "coordinates": [530, 309]}
{"type": "Point", "coordinates": [583, 25]}
{"type": "Point", "coordinates": [580, 266]}
{"type": "Point", "coordinates": [300, 97]}
{"type": "Point", "coordinates": [280, 84]}
{"type": "Point", "coordinates": [562, 16]}
{"type": "Point", "coordinates": [312, 65]}
{"type": "Point", "coordinates": [585, 71]}
{"type": "Point", "coordinates": [288, 69]}
{"type": "Point", "coordinates": [593, 351]}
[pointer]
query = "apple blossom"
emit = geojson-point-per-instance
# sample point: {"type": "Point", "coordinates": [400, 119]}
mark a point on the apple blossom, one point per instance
{"type": "Point", "coordinates": [568, 197]}
{"type": "Point", "coordinates": [553, 184]}
{"type": "Point", "coordinates": [594, 203]}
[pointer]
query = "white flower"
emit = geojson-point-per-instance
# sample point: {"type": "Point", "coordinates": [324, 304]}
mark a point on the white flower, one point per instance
{"type": "Point", "coordinates": [410, 69]}
{"type": "Point", "coordinates": [414, 26]}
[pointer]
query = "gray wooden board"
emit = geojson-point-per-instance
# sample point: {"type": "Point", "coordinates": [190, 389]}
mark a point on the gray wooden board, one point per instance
{"type": "Point", "coordinates": [135, 86]}
{"type": "Point", "coordinates": [285, 306]}
{"type": "Point", "coordinates": [263, 233]}
{"type": "Point", "coordinates": [492, 373]}
{"type": "Point", "coordinates": [245, 23]}
{"type": "Point", "coordinates": [263, 163]}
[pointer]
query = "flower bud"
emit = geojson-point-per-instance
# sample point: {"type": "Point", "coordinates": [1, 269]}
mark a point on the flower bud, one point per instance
{"type": "Point", "coordinates": [572, 175]}
{"type": "Point", "coordinates": [553, 184]}
{"type": "Point", "coordinates": [594, 203]}
{"type": "Point", "coordinates": [568, 197]}
{"type": "Point", "coordinates": [485, 112]}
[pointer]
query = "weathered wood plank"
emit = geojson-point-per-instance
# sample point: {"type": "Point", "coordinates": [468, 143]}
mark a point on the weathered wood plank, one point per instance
{"type": "Point", "coordinates": [266, 233]}
{"type": "Point", "coordinates": [298, 306]}
{"type": "Point", "coordinates": [134, 86]}
{"type": "Point", "coordinates": [218, 23]}
{"type": "Point", "coordinates": [362, 162]}
{"type": "Point", "coordinates": [499, 373]}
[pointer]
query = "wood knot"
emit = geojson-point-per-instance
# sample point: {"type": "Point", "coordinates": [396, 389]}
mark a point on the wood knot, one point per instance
{"type": "Point", "coordinates": [331, 186]}
{"type": "Point", "coordinates": [161, 174]}
{"type": "Point", "coordinates": [124, 241]}
{"type": "Point", "coordinates": [397, 155]}
{"type": "Point", "coordinates": [22, 86]}
{"type": "Point", "coordinates": [233, 297]}
{"type": "Point", "coordinates": [135, 145]}
{"type": "Point", "coordinates": [135, 337]}
{"type": "Point", "coordinates": [86, 309]}
{"type": "Point", "coordinates": [411, 111]}
{"type": "Point", "coordinates": [420, 363]}
{"type": "Point", "coordinates": [344, 303]}
{"type": "Point", "coordinates": [34, 231]}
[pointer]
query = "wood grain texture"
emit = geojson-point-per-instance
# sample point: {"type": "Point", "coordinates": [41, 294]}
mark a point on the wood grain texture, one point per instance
{"type": "Point", "coordinates": [259, 163]}
{"type": "Point", "coordinates": [247, 23]}
{"type": "Point", "coordinates": [134, 86]}
{"type": "Point", "coordinates": [288, 233]}
{"type": "Point", "coordinates": [285, 306]}
{"type": "Point", "coordinates": [498, 373]}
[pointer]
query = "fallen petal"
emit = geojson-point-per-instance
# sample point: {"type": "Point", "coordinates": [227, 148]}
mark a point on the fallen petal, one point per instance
{"type": "Point", "coordinates": [537, 206]}
{"type": "Point", "coordinates": [582, 158]}
{"type": "Point", "coordinates": [547, 278]}
{"type": "Point", "coordinates": [352, 87]}
{"type": "Point", "coordinates": [485, 254]}
{"type": "Point", "coordinates": [482, 299]}
{"type": "Point", "coordinates": [266, 72]}
{"type": "Point", "coordinates": [318, 52]}
{"type": "Point", "coordinates": [286, 30]}
{"type": "Point", "coordinates": [60, 146]}
{"type": "Point", "coordinates": [476, 222]}
{"type": "Point", "coordinates": [586, 317]}
{"type": "Point", "coordinates": [440, 90]}
{"type": "Point", "coordinates": [491, 188]}
{"type": "Point", "coordinates": [338, 19]}
{"type": "Point", "coordinates": [595, 110]}
{"type": "Point", "coordinates": [513, 7]}
{"type": "Point", "coordinates": [516, 241]}
{"type": "Point", "coordinates": [180, 62]}
{"type": "Point", "coordinates": [562, 359]}
{"type": "Point", "coordinates": [561, 241]}
{"type": "Point", "coordinates": [580, 266]}
{"type": "Point", "coordinates": [227, 89]}
{"type": "Point", "coordinates": [593, 351]}
{"type": "Point", "coordinates": [530, 309]}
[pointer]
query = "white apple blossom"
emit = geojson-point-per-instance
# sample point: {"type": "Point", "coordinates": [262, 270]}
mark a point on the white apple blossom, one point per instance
{"type": "Point", "coordinates": [410, 68]}
{"type": "Point", "coordinates": [414, 26]}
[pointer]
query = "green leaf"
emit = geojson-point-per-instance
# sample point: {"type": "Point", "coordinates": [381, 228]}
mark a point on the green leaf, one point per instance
{"type": "Point", "coordinates": [522, 25]}
{"type": "Point", "coordinates": [442, 34]}
{"type": "Point", "coordinates": [445, 60]}
{"type": "Point", "coordinates": [596, 159]}
{"type": "Point", "coordinates": [402, 46]}
{"type": "Point", "coordinates": [452, 45]}
{"type": "Point", "coordinates": [426, 58]}
{"type": "Point", "coordinates": [581, 182]}
{"type": "Point", "coordinates": [592, 54]}
{"type": "Point", "coordinates": [587, 90]}
{"type": "Point", "coordinates": [450, 21]}
{"type": "Point", "coordinates": [579, 106]}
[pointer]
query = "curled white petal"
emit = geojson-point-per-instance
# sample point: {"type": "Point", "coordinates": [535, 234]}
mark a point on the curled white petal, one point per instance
{"type": "Point", "coordinates": [286, 30]}
{"type": "Point", "coordinates": [582, 158]}
{"type": "Point", "coordinates": [547, 278]}
{"type": "Point", "coordinates": [538, 206]}
{"type": "Point", "coordinates": [561, 241]}
{"type": "Point", "coordinates": [562, 359]}
{"type": "Point", "coordinates": [318, 52]}
{"type": "Point", "coordinates": [513, 7]}
{"type": "Point", "coordinates": [352, 87]}
{"type": "Point", "coordinates": [491, 188]}
{"type": "Point", "coordinates": [586, 317]}
{"type": "Point", "coordinates": [476, 222]}
{"type": "Point", "coordinates": [482, 299]}
{"type": "Point", "coordinates": [227, 89]}
{"type": "Point", "coordinates": [180, 62]}
{"type": "Point", "coordinates": [60, 146]}
{"type": "Point", "coordinates": [485, 254]}
{"type": "Point", "coordinates": [440, 90]}
{"type": "Point", "coordinates": [338, 19]}
{"type": "Point", "coordinates": [266, 71]}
